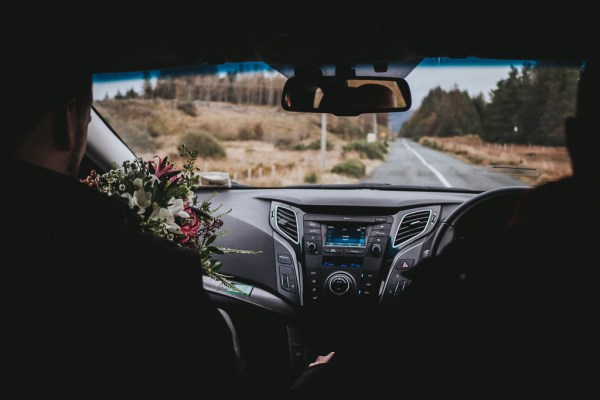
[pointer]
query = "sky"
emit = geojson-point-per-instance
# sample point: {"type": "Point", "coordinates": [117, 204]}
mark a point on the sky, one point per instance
{"type": "Point", "coordinates": [474, 80]}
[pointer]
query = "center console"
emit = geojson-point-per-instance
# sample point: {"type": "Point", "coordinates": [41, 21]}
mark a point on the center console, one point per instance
{"type": "Point", "coordinates": [343, 256]}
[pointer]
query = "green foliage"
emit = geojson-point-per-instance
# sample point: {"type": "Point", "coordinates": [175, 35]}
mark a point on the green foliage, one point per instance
{"type": "Point", "coordinates": [316, 145]}
{"type": "Point", "coordinates": [444, 114]}
{"type": "Point", "coordinates": [353, 168]}
{"type": "Point", "coordinates": [188, 108]}
{"type": "Point", "coordinates": [311, 177]}
{"type": "Point", "coordinates": [148, 90]}
{"type": "Point", "coordinates": [206, 145]}
{"type": "Point", "coordinates": [283, 143]}
{"type": "Point", "coordinates": [527, 107]}
{"type": "Point", "coordinates": [432, 145]}
{"type": "Point", "coordinates": [372, 151]}
{"type": "Point", "coordinates": [287, 144]}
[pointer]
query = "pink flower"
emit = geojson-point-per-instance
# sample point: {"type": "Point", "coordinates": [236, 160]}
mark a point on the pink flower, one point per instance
{"type": "Point", "coordinates": [161, 167]}
{"type": "Point", "coordinates": [190, 229]}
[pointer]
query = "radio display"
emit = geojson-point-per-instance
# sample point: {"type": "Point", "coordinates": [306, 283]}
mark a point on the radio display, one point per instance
{"type": "Point", "coordinates": [343, 262]}
{"type": "Point", "coordinates": [346, 235]}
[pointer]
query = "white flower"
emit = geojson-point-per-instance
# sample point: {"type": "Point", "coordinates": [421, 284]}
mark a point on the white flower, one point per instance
{"type": "Point", "coordinates": [140, 199]}
{"type": "Point", "coordinates": [143, 199]}
{"type": "Point", "coordinates": [165, 215]}
{"type": "Point", "coordinates": [138, 183]}
{"type": "Point", "coordinates": [153, 179]}
{"type": "Point", "coordinates": [176, 208]}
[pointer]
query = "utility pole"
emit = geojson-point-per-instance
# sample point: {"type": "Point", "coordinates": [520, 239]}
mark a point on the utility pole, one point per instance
{"type": "Point", "coordinates": [323, 138]}
{"type": "Point", "coordinates": [375, 124]}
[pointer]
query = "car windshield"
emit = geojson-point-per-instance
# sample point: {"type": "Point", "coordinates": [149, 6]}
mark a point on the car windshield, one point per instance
{"type": "Point", "coordinates": [474, 124]}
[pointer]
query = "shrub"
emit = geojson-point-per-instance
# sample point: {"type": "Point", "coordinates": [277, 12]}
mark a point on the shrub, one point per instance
{"type": "Point", "coordinates": [316, 145]}
{"type": "Point", "coordinates": [353, 168]}
{"type": "Point", "coordinates": [311, 177]}
{"type": "Point", "coordinates": [188, 108]}
{"type": "Point", "coordinates": [206, 145]}
{"type": "Point", "coordinates": [259, 133]}
{"type": "Point", "coordinates": [372, 151]}
{"type": "Point", "coordinates": [156, 126]}
{"type": "Point", "coordinates": [286, 144]}
{"type": "Point", "coordinates": [245, 133]}
{"type": "Point", "coordinates": [431, 144]}
{"type": "Point", "coordinates": [283, 143]}
{"type": "Point", "coordinates": [254, 132]}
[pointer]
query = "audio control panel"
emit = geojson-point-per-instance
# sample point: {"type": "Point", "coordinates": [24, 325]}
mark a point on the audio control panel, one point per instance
{"type": "Point", "coordinates": [343, 255]}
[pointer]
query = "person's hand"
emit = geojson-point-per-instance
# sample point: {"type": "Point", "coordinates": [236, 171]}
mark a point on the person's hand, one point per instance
{"type": "Point", "coordinates": [322, 359]}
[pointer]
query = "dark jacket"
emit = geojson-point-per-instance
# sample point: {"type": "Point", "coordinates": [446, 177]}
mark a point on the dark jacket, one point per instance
{"type": "Point", "coordinates": [94, 308]}
{"type": "Point", "coordinates": [512, 315]}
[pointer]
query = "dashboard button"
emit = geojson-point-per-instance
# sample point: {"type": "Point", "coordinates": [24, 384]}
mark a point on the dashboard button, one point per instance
{"type": "Point", "coordinates": [376, 249]}
{"type": "Point", "coordinates": [314, 273]}
{"type": "Point", "coordinates": [312, 247]}
{"type": "Point", "coordinates": [354, 251]}
{"type": "Point", "coordinates": [380, 233]}
{"type": "Point", "coordinates": [285, 281]}
{"type": "Point", "coordinates": [284, 258]}
{"type": "Point", "coordinates": [383, 227]}
{"type": "Point", "coordinates": [404, 264]}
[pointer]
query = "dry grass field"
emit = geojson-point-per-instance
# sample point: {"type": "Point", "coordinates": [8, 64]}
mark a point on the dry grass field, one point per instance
{"type": "Point", "coordinates": [163, 127]}
{"type": "Point", "coordinates": [541, 163]}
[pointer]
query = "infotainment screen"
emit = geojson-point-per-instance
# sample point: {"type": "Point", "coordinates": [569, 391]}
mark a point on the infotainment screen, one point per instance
{"type": "Point", "coordinates": [351, 235]}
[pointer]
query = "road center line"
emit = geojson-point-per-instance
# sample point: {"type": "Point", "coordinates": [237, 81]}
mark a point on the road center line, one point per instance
{"type": "Point", "coordinates": [425, 163]}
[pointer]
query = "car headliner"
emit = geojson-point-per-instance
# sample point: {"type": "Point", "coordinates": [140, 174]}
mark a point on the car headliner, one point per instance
{"type": "Point", "coordinates": [129, 36]}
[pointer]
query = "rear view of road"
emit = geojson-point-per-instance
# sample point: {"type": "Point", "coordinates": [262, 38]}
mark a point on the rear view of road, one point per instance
{"type": "Point", "coordinates": [409, 163]}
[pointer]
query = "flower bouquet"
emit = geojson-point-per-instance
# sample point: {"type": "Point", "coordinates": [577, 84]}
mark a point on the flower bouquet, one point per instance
{"type": "Point", "coordinates": [166, 204]}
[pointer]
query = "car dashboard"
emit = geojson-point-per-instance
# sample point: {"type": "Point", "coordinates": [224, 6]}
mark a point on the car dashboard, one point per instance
{"type": "Point", "coordinates": [326, 257]}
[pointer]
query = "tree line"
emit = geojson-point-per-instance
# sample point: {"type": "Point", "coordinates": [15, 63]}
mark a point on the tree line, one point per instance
{"type": "Point", "coordinates": [528, 107]}
{"type": "Point", "coordinates": [246, 88]}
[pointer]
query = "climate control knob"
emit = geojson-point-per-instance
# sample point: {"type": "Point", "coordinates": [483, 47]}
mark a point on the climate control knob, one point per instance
{"type": "Point", "coordinates": [340, 283]}
{"type": "Point", "coordinates": [376, 249]}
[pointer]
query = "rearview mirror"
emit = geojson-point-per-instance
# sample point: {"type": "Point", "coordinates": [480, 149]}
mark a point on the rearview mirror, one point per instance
{"type": "Point", "coordinates": [346, 96]}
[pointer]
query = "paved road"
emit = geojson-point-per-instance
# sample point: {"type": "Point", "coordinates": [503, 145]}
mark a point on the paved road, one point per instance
{"type": "Point", "coordinates": [409, 163]}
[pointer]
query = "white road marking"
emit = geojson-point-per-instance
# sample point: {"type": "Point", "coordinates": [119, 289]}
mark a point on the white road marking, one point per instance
{"type": "Point", "coordinates": [425, 163]}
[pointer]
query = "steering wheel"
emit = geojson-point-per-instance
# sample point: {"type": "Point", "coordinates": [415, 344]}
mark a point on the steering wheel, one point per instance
{"type": "Point", "coordinates": [484, 214]}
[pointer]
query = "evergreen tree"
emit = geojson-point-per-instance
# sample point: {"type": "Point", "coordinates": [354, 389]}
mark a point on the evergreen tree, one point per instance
{"type": "Point", "coordinates": [527, 107]}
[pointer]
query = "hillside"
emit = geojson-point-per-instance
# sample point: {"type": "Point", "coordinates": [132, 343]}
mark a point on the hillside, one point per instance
{"type": "Point", "coordinates": [263, 145]}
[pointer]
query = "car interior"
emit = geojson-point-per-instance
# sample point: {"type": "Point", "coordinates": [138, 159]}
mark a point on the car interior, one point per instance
{"type": "Point", "coordinates": [330, 254]}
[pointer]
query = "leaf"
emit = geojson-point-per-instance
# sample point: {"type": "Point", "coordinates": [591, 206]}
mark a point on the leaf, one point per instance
{"type": "Point", "coordinates": [215, 250]}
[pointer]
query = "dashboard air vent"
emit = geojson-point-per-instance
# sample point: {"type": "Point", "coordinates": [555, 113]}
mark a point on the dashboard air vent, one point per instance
{"type": "Point", "coordinates": [287, 223]}
{"type": "Point", "coordinates": [411, 226]}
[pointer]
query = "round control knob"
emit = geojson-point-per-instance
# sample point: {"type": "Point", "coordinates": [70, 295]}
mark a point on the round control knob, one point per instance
{"type": "Point", "coordinates": [312, 247]}
{"type": "Point", "coordinates": [340, 283]}
{"type": "Point", "coordinates": [376, 249]}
